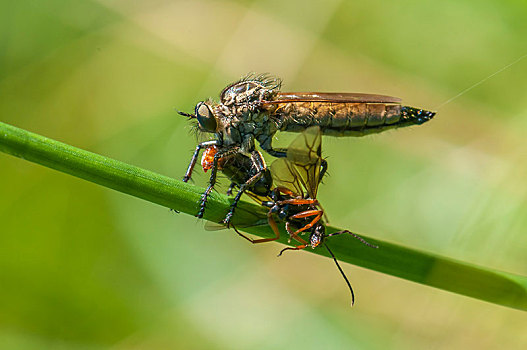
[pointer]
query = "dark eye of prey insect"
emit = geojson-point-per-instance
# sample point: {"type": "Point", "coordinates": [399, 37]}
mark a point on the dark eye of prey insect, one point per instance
{"type": "Point", "coordinates": [206, 119]}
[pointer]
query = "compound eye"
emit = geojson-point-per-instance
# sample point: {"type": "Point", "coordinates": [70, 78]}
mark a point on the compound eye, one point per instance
{"type": "Point", "coordinates": [206, 119]}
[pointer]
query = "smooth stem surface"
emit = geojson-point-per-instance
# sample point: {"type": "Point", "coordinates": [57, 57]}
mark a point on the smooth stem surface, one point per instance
{"type": "Point", "coordinates": [411, 264]}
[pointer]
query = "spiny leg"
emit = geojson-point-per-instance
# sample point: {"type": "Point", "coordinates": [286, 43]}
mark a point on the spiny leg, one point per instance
{"type": "Point", "coordinates": [212, 180]}
{"type": "Point", "coordinates": [231, 187]}
{"type": "Point", "coordinates": [266, 140]}
{"type": "Point", "coordinates": [276, 153]}
{"type": "Point", "coordinates": [259, 164]}
{"type": "Point", "coordinates": [238, 196]}
{"type": "Point", "coordinates": [195, 156]}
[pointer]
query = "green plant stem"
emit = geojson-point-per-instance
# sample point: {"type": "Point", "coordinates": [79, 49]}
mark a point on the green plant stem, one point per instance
{"type": "Point", "coordinates": [411, 264]}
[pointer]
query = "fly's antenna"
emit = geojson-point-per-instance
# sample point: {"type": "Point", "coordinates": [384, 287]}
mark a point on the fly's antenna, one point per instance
{"type": "Point", "coordinates": [342, 273]}
{"type": "Point", "coordinates": [481, 81]}
{"type": "Point", "coordinates": [186, 114]}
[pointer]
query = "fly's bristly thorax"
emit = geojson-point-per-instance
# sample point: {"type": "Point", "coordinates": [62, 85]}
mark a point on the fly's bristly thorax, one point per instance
{"type": "Point", "coordinates": [250, 90]}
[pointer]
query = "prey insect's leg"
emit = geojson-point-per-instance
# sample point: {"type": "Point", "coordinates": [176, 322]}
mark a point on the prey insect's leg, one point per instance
{"type": "Point", "coordinates": [293, 234]}
{"type": "Point", "coordinates": [195, 156]}
{"type": "Point", "coordinates": [259, 164]}
{"type": "Point", "coordinates": [284, 190]}
{"type": "Point", "coordinates": [273, 225]}
{"type": "Point", "coordinates": [363, 241]}
{"type": "Point", "coordinates": [212, 180]}
{"type": "Point", "coordinates": [298, 201]}
{"type": "Point", "coordinates": [292, 248]}
{"type": "Point", "coordinates": [305, 214]}
{"type": "Point", "coordinates": [231, 187]}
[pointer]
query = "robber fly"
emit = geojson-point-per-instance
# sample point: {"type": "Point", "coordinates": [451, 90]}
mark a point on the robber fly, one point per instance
{"type": "Point", "coordinates": [295, 181]}
{"type": "Point", "coordinates": [253, 108]}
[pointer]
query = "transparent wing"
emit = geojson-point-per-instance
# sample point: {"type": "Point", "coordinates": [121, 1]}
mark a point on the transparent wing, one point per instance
{"type": "Point", "coordinates": [334, 97]}
{"type": "Point", "coordinates": [305, 156]}
{"type": "Point", "coordinates": [286, 175]}
{"type": "Point", "coordinates": [242, 218]}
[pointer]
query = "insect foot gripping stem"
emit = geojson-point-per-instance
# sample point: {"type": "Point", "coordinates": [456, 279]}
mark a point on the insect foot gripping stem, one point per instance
{"type": "Point", "coordinates": [416, 115]}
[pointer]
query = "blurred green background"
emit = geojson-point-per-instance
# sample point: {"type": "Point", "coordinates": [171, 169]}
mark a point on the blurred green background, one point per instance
{"type": "Point", "coordinates": [84, 267]}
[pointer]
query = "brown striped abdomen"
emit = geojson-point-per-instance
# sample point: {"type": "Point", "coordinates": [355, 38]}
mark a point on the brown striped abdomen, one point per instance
{"type": "Point", "coordinates": [337, 119]}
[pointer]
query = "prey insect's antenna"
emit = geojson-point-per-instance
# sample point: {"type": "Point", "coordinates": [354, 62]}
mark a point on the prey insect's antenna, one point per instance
{"type": "Point", "coordinates": [480, 82]}
{"type": "Point", "coordinates": [343, 274]}
{"type": "Point", "coordinates": [363, 241]}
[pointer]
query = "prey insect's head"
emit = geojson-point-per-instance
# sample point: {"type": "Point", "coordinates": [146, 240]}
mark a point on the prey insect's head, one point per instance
{"type": "Point", "coordinates": [317, 236]}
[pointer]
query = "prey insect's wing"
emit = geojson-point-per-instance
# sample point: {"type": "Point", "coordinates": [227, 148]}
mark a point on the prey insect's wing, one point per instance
{"type": "Point", "coordinates": [334, 97]}
{"type": "Point", "coordinates": [243, 218]}
{"type": "Point", "coordinates": [258, 199]}
{"type": "Point", "coordinates": [305, 156]}
{"type": "Point", "coordinates": [285, 175]}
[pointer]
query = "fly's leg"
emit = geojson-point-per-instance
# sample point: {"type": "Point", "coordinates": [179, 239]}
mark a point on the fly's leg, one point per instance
{"type": "Point", "coordinates": [266, 140]}
{"type": "Point", "coordinates": [212, 180]}
{"type": "Point", "coordinates": [363, 241]}
{"type": "Point", "coordinates": [259, 165]}
{"type": "Point", "coordinates": [278, 153]}
{"type": "Point", "coordinates": [195, 156]}
{"type": "Point", "coordinates": [273, 225]}
{"type": "Point", "coordinates": [238, 196]}
{"type": "Point", "coordinates": [231, 187]}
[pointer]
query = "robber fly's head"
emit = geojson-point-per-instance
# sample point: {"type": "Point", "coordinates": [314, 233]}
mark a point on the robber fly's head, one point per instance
{"type": "Point", "coordinates": [206, 119]}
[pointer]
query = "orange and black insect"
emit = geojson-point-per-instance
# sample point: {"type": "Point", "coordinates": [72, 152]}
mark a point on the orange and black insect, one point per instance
{"type": "Point", "coordinates": [295, 181]}
{"type": "Point", "coordinates": [253, 108]}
